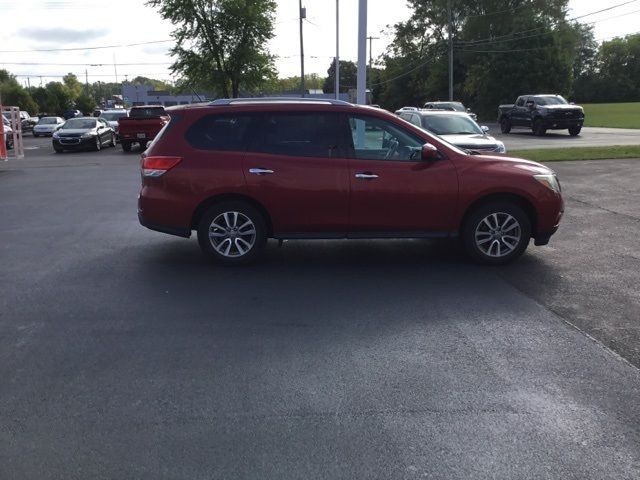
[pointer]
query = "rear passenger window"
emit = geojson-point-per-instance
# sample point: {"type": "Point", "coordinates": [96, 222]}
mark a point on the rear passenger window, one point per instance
{"type": "Point", "coordinates": [520, 102]}
{"type": "Point", "coordinates": [313, 134]}
{"type": "Point", "coordinates": [220, 132]}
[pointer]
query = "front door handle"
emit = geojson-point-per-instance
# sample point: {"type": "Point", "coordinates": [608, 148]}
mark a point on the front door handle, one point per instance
{"type": "Point", "coordinates": [260, 171]}
{"type": "Point", "coordinates": [366, 175]}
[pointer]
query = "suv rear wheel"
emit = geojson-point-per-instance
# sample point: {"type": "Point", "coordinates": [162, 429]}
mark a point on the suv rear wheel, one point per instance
{"type": "Point", "coordinates": [496, 233]}
{"type": "Point", "coordinates": [574, 131]}
{"type": "Point", "coordinates": [232, 233]}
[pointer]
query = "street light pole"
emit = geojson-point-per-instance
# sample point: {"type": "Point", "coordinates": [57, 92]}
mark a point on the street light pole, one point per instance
{"type": "Point", "coordinates": [362, 53]}
{"type": "Point", "coordinates": [337, 49]}
{"type": "Point", "coordinates": [371, 39]}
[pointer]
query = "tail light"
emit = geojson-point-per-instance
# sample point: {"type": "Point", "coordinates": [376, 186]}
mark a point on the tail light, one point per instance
{"type": "Point", "coordinates": [158, 166]}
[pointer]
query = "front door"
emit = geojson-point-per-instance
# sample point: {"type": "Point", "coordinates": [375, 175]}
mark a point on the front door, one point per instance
{"type": "Point", "coordinates": [296, 167]}
{"type": "Point", "coordinates": [393, 191]}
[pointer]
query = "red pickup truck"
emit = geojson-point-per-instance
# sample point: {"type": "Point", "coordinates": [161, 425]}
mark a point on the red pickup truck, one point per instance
{"type": "Point", "coordinates": [141, 126]}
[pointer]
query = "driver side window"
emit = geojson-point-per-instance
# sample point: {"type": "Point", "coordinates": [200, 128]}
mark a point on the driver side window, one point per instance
{"type": "Point", "coordinates": [377, 139]}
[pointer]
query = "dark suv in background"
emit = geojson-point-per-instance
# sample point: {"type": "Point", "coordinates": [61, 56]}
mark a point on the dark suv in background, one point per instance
{"type": "Point", "coordinates": [244, 170]}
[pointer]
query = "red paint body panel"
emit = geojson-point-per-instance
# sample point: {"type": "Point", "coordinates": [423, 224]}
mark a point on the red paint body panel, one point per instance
{"type": "Point", "coordinates": [322, 195]}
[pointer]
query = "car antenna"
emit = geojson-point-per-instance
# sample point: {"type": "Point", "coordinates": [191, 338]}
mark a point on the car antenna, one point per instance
{"type": "Point", "coordinates": [194, 92]}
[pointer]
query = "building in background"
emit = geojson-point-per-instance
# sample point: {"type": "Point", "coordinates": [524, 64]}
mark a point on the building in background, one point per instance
{"type": "Point", "coordinates": [134, 95]}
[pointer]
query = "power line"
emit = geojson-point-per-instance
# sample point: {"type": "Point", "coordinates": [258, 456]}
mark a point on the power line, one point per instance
{"type": "Point", "coordinates": [86, 48]}
{"type": "Point", "coordinates": [110, 64]}
{"type": "Point", "coordinates": [503, 38]}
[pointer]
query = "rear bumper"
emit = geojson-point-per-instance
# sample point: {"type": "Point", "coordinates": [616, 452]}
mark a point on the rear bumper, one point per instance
{"type": "Point", "coordinates": [178, 231]}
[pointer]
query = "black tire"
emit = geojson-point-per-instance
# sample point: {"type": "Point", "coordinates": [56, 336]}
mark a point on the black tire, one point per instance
{"type": "Point", "coordinates": [98, 146]}
{"type": "Point", "coordinates": [9, 143]}
{"type": "Point", "coordinates": [126, 146]}
{"type": "Point", "coordinates": [143, 146]}
{"type": "Point", "coordinates": [36, 134]}
{"type": "Point", "coordinates": [538, 128]}
{"type": "Point", "coordinates": [58, 150]}
{"type": "Point", "coordinates": [113, 140]}
{"type": "Point", "coordinates": [574, 131]}
{"type": "Point", "coordinates": [245, 212]}
{"type": "Point", "coordinates": [505, 125]}
{"type": "Point", "coordinates": [473, 231]}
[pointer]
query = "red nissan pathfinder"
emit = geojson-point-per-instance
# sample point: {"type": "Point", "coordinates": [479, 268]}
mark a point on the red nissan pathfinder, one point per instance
{"type": "Point", "coordinates": [240, 171]}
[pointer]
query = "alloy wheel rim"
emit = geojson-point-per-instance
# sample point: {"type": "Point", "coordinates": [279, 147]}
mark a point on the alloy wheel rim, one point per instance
{"type": "Point", "coordinates": [498, 234]}
{"type": "Point", "coordinates": [232, 234]}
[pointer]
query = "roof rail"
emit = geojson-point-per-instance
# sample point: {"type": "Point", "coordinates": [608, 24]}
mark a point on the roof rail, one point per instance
{"type": "Point", "coordinates": [232, 101]}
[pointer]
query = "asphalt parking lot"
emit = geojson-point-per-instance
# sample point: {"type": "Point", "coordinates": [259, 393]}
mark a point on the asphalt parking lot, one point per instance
{"type": "Point", "coordinates": [522, 139]}
{"type": "Point", "coordinates": [125, 354]}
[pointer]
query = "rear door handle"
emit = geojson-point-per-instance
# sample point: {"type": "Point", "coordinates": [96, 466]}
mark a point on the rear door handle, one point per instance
{"type": "Point", "coordinates": [260, 171]}
{"type": "Point", "coordinates": [366, 175]}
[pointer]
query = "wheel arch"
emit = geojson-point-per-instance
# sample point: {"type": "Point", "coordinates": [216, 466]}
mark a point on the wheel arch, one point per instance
{"type": "Point", "coordinates": [515, 198]}
{"type": "Point", "coordinates": [204, 205]}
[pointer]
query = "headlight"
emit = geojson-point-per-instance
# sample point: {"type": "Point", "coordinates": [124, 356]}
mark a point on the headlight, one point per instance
{"type": "Point", "coordinates": [500, 148]}
{"type": "Point", "coordinates": [56, 135]}
{"type": "Point", "coordinates": [549, 180]}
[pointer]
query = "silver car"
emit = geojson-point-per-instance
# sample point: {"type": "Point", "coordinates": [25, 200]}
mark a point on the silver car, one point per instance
{"type": "Point", "coordinates": [457, 128]}
{"type": "Point", "coordinates": [112, 116]}
{"type": "Point", "coordinates": [47, 125]}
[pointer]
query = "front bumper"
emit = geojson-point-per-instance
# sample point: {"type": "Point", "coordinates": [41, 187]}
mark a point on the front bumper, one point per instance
{"type": "Point", "coordinates": [562, 123]}
{"type": "Point", "coordinates": [72, 143]}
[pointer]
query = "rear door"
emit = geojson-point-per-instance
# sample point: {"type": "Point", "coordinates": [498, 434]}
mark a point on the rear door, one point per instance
{"type": "Point", "coordinates": [296, 167]}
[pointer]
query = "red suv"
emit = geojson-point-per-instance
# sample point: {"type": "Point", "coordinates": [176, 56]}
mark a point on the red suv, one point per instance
{"type": "Point", "coordinates": [244, 170]}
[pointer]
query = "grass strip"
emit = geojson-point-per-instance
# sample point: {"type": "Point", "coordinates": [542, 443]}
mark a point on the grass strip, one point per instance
{"type": "Point", "coordinates": [578, 153]}
{"type": "Point", "coordinates": [613, 115]}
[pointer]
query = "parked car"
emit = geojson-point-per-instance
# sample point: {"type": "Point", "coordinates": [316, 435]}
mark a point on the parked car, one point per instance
{"type": "Point", "coordinates": [243, 170]}
{"type": "Point", "coordinates": [47, 125]}
{"type": "Point", "coordinates": [71, 114]}
{"type": "Point", "coordinates": [84, 133]}
{"type": "Point", "coordinates": [451, 106]}
{"type": "Point", "coordinates": [541, 113]}
{"type": "Point", "coordinates": [112, 117]}
{"type": "Point", "coordinates": [141, 126]}
{"type": "Point", "coordinates": [8, 133]}
{"type": "Point", "coordinates": [456, 128]}
{"type": "Point", "coordinates": [27, 121]}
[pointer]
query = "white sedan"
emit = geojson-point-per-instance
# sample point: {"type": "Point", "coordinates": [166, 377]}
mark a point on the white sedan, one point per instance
{"type": "Point", "coordinates": [47, 125]}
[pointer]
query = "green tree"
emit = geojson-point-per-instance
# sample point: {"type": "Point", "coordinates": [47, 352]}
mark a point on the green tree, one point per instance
{"type": "Point", "coordinates": [13, 94]}
{"type": "Point", "coordinates": [502, 49]}
{"type": "Point", "coordinates": [74, 87]}
{"type": "Point", "coordinates": [156, 84]}
{"type": "Point", "coordinates": [221, 44]}
{"type": "Point", "coordinates": [348, 77]}
{"type": "Point", "coordinates": [85, 103]}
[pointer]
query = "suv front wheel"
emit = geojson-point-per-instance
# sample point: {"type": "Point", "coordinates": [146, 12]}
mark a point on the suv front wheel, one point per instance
{"type": "Point", "coordinates": [232, 233]}
{"type": "Point", "coordinates": [496, 233]}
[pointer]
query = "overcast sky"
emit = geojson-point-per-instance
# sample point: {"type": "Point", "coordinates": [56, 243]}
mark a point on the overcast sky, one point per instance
{"type": "Point", "coordinates": [56, 24]}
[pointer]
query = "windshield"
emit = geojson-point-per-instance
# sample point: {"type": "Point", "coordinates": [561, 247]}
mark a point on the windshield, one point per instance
{"type": "Point", "coordinates": [551, 100]}
{"type": "Point", "coordinates": [80, 123]}
{"type": "Point", "coordinates": [450, 125]}
{"type": "Point", "coordinates": [113, 116]}
{"type": "Point", "coordinates": [48, 121]}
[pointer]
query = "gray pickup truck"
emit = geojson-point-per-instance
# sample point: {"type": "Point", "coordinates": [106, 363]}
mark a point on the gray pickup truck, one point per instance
{"type": "Point", "coordinates": [541, 113]}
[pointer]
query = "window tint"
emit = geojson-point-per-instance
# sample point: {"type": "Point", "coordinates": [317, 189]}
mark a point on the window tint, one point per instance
{"type": "Point", "coordinates": [148, 112]}
{"type": "Point", "coordinates": [377, 139]}
{"type": "Point", "coordinates": [520, 102]}
{"type": "Point", "coordinates": [220, 132]}
{"type": "Point", "coordinates": [450, 124]}
{"type": "Point", "coordinates": [312, 134]}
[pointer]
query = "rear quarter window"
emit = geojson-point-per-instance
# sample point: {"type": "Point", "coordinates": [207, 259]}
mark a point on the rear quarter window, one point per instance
{"type": "Point", "coordinates": [226, 132]}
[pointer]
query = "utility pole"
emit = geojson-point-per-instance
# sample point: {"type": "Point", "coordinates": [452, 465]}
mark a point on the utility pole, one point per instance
{"type": "Point", "coordinates": [115, 70]}
{"type": "Point", "coordinates": [371, 39]}
{"type": "Point", "coordinates": [337, 49]}
{"type": "Point", "coordinates": [450, 51]}
{"type": "Point", "coordinates": [303, 15]}
{"type": "Point", "coordinates": [29, 82]}
{"type": "Point", "coordinates": [86, 80]}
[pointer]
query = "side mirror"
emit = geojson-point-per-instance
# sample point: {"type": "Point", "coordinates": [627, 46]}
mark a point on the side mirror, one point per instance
{"type": "Point", "coordinates": [571, 103]}
{"type": "Point", "coordinates": [429, 152]}
{"type": "Point", "coordinates": [485, 129]}
{"type": "Point", "coordinates": [468, 110]}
